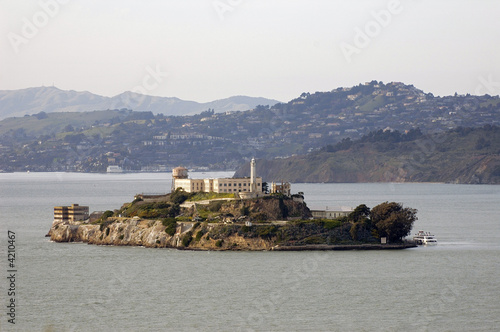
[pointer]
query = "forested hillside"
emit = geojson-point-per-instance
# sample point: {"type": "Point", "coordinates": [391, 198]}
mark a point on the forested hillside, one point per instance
{"type": "Point", "coordinates": [461, 155]}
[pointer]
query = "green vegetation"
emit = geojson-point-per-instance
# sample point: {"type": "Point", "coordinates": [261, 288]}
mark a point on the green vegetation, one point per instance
{"type": "Point", "coordinates": [201, 196]}
{"type": "Point", "coordinates": [90, 141]}
{"type": "Point", "coordinates": [360, 226]}
{"type": "Point", "coordinates": [151, 210]}
{"type": "Point", "coordinates": [179, 196]}
{"type": "Point", "coordinates": [461, 155]}
{"type": "Point", "coordinates": [392, 220]}
{"type": "Point", "coordinates": [186, 239]}
{"type": "Point", "coordinates": [170, 225]}
{"type": "Point", "coordinates": [363, 225]}
{"type": "Point", "coordinates": [199, 235]}
{"type": "Point", "coordinates": [105, 216]}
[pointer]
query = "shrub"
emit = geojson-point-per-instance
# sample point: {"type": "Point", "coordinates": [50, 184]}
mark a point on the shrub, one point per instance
{"type": "Point", "coordinates": [244, 211]}
{"type": "Point", "coordinates": [266, 231]}
{"type": "Point", "coordinates": [218, 243]}
{"type": "Point", "coordinates": [199, 235]}
{"type": "Point", "coordinates": [330, 224]}
{"type": "Point", "coordinates": [106, 215]}
{"type": "Point", "coordinates": [170, 225]}
{"type": "Point", "coordinates": [121, 236]}
{"type": "Point", "coordinates": [179, 196]}
{"type": "Point", "coordinates": [245, 229]}
{"type": "Point", "coordinates": [260, 217]}
{"type": "Point", "coordinates": [354, 231]}
{"type": "Point", "coordinates": [186, 240]}
{"type": "Point", "coordinates": [215, 206]}
{"type": "Point", "coordinates": [315, 239]}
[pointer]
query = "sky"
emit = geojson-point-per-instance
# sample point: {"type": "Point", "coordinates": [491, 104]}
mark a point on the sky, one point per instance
{"type": "Point", "coordinates": [203, 50]}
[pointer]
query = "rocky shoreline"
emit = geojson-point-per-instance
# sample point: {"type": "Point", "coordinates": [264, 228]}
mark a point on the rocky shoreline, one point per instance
{"type": "Point", "coordinates": [190, 236]}
{"type": "Point", "coordinates": [345, 247]}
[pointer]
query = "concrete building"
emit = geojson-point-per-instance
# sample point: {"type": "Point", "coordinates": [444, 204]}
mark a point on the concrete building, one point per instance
{"type": "Point", "coordinates": [245, 187]}
{"type": "Point", "coordinates": [330, 214]}
{"type": "Point", "coordinates": [74, 212]}
{"type": "Point", "coordinates": [284, 188]}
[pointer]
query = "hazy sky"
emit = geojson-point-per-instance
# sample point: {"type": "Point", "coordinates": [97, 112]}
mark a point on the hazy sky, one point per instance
{"type": "Point", "coordinates": [204, 50]}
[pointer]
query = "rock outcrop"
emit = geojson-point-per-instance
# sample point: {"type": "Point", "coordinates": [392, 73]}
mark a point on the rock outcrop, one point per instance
{"type": "Point", "coordinates": [265, 223]}
{"type": "Point", "coordinates": [151, 234]}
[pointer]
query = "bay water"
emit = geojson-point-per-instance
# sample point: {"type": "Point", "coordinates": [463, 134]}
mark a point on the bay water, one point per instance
{"type": "Point", "coordinates": [453, 286]}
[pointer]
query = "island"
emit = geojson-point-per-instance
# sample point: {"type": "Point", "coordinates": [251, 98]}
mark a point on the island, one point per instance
{"type": "Point", "coordinates": [234, 214]}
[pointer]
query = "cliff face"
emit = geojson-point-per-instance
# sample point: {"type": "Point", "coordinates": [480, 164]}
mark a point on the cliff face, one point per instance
{"type": "Point", "coordinates": [265, 223]}
{"type": "Point", "coordinates": [260, 209]}
{"type": "Point", "coordinates": [151, 234]}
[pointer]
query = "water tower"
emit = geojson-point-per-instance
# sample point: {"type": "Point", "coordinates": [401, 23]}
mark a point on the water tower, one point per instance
{"type": "Point", "coordinates": [178, 173]}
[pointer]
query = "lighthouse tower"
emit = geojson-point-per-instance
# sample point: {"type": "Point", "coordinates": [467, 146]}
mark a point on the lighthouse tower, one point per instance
{"type": "Point", "coordinates": [253, 181]}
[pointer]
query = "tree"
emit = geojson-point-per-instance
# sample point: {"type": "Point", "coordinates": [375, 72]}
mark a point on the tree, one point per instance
{"type": "Point", "coordinates": [392, 220]}
{"type": "Point", "coordinates": [40, 116]}
{"type": "Point", "coordinates": [68, 128]}
{"type": "Point", "coordinates": [360, 214]}
{"type": "Point", "coordinates": [265, 188]}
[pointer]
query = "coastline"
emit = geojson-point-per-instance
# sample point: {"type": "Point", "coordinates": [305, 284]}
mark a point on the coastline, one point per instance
{"type": "Point", "coordinates": [151, 234]}
{"type": "Point", "coordinates": [346, 247]}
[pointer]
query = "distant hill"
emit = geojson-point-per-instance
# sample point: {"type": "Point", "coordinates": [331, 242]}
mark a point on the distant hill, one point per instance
{"type": "Point", "coordinates": [17, 103]}
{"type": "Point", "coordinates": [462, 155]}
{"type": "Point", "coordinates": [89, 141]}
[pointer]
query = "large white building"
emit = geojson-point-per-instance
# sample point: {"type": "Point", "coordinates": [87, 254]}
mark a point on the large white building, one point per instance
{"type": "Point", "coordinates": [246, 187]}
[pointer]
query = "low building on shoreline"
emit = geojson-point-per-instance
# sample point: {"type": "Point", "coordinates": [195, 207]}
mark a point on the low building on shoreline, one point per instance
{"type": "Point", "coordinates": [75, 212]}
{"type": "Point", "coordinates": [331, 214]}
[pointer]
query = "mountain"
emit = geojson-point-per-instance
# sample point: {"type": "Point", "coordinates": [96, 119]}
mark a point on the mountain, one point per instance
{"type": "Point", "coordinates": [90, 141]}
{"type": "Point", "coordinates": [461, 155]}
{"type": "Point", "coordinates": [16, 103]}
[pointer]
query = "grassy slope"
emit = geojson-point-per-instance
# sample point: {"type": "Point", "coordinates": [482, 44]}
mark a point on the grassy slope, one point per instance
{"type": "Point", "coordinates": [55, 122]}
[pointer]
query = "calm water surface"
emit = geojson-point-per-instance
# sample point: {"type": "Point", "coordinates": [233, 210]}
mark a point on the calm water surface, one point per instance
{"type": "Point", "coordinates": [76, 287]}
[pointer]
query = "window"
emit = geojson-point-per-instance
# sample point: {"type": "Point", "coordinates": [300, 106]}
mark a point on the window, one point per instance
{"type": "Point", "coordinates": [229, 184]}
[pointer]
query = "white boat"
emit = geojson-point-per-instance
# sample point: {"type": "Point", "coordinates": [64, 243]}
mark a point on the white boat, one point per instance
{"type": "Point", "coordinates": [425, 238]}
{"type": "Point", "coordinates": [114, 169]}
